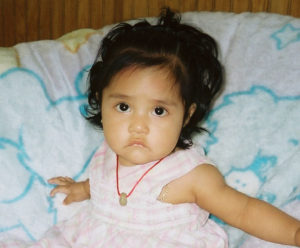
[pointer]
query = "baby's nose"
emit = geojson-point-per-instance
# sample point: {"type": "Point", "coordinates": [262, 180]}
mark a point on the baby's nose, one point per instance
{"type": "Point", "coordinates": [139, 124]}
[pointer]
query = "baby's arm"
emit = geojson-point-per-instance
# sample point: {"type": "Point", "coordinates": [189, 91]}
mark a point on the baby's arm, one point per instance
{"type": "Point", "coordinates": [239, 210]}
{"type": "Point", "coordinates": [75, 191]}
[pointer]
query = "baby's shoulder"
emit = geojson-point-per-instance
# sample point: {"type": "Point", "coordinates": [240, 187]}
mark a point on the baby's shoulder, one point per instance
{"type": "Point", "coordinates": [196, 183]}
{"type": "Point", "coordinates": [191, 157]}
{"type": "Point", "coordinates": [204, 174]}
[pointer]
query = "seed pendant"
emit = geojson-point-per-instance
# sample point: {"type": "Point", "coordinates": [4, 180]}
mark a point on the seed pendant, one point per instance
{"type": "Point", "coordinates": [123, 199]}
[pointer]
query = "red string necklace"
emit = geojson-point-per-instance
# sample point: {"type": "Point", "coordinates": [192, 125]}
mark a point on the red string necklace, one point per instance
{"type": "Point", "coordinates": [123, 196]}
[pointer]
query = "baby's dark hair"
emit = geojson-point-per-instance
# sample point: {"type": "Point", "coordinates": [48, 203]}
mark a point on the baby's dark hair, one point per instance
{"type": "Point", "coordinates": [187, 53]}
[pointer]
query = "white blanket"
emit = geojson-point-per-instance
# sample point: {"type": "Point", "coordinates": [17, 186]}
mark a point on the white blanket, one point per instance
{"type": "Point", "coordinates": [255, 131]}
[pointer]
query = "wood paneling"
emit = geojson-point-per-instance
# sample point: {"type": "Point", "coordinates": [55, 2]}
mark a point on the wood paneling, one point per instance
{"type": "Point", "coordinates": [295, 8]}
{"type": "Point", "coordinates": [205, 5]}
{"type": "Point", "coordinates": [140, 8]}
{"type": "Point", "coordinates": [20, 16]}
{"type": "Point", "coordinates": [259, 5]}
{"type": "Point", "coordinates": [109, 12]}
{"type": "Point", "coordinates": [9, 27]}
{"type": "Point", "coordinates": [280, 6]}
{"type": "Point", "coordinates": [2, 23]}
{"type": "Point", "coordinates": [128, 11]}
{"type": "Point", "coordinates": [71, 11]}
{"type": "Point", "coordinates": [58, 18]}
{"type": "Point", "coordinates": [241, 6]}
{"type": "Point", "coordinates": [223, 5]}
{"type": "Point", "coordinates": [32, 19]}
{"type": "Point", "coordinates": [46, 22]}
{"type": "Point", "coordinates": [83, 11]}
{"type": "Point", "coordinates": [95, 12]}
{"type": "Point", "coordinates": [189, 5]}
{"type": "Point", "coordinates": [27, 20]}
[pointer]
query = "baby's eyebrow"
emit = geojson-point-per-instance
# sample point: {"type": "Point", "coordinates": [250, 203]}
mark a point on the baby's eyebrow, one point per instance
{"type": "Point", "coordinates": [163, 102]}
{"type": "Point", "coordinates": [119, 96]}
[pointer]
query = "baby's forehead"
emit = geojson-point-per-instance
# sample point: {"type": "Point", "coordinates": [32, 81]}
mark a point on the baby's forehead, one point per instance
{"type": "Point", "coordinates": [159, 81]}
{"type": "Point", "coordinates": [150, 71]}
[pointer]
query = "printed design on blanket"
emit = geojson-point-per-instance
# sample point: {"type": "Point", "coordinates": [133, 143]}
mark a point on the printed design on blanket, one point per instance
{"type": "Point", "coordinates": [25, 169]}
{"type": "Point", "coordinates": [74, 40]}
{"type": "Point", "coordinates": [286, 35]}
{"type": "Point", "coordinates": [270, 151]}
{"type": "Point", "coordinates": [251, 178]}
{"type": "Point", "coordinates": [10, 58]}
{"type": "Point", "coordinates": [263, 162]}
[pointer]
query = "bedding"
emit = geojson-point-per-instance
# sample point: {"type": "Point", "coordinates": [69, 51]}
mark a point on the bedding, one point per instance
{"type": "Point", "coordinates": [254, 124]}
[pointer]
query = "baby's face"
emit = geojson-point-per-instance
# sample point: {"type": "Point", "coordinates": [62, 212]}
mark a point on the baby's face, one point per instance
{"type": "Point", "coordinates": [142, 115]}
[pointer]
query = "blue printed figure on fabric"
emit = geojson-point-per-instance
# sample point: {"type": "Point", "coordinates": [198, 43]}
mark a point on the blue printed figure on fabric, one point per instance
{"type": "Point", "coordinates": [79, 88]}
{"type": "Point", "coordinates": [32, 149]}
{"type": "Point", "coordinates": [250, 179]}
{"type": "Point", "coordinates": [16, 157]}
{"type": "Point", "coordinates": [295, 142]}
{"type": "Point", "coordinates": [269, 150]}
{"type": "Point", "coordinates": [286, 35]}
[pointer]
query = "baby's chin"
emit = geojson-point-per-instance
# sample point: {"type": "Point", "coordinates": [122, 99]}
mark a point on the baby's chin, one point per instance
{"type": "Point", "coordinates": [136, 159]}
{"type": "Point", "coordinates": [133, 162]}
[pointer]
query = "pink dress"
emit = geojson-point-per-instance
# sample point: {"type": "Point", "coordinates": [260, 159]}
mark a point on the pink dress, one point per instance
{"type": "Point", "coordinates": [145, 221]}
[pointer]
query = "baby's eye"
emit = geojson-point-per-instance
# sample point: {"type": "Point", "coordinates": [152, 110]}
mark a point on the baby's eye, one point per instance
{"type": "Point", "coordinates": [123, 107]}
{"type": "Point", "coordinates": [159, 111]}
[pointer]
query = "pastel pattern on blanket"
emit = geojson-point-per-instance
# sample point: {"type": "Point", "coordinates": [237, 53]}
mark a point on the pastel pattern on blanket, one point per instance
{"type": "Point", "coordinates": [40, 138]}
{"type": "Point", "coordinates": [255, 142]}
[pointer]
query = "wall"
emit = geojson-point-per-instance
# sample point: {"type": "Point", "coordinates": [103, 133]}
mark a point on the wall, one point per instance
{"type": "Point", "coordinates": [27, 20]}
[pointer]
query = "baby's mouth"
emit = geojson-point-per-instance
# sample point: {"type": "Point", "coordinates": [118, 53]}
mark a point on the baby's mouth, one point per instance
{"type": "Point", "coordinates": [137, 143]}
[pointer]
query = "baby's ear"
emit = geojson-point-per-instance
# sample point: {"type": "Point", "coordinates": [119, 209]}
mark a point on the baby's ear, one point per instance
{"type": "Point", "coordinates": [190, 113]}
